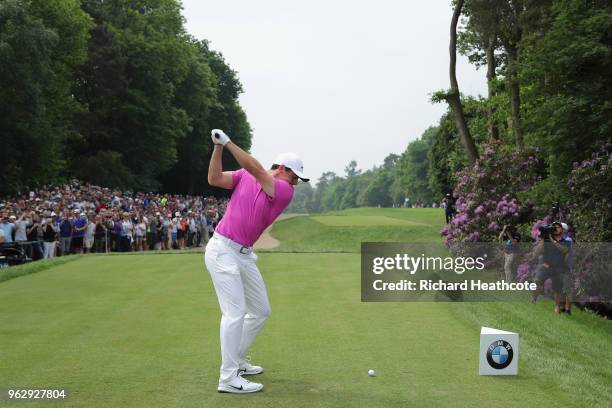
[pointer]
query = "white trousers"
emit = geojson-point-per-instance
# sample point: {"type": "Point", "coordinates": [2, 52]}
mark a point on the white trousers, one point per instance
{"type": "Point", "coordinates": [243, 301]}
{"type": "Point", "coordinates": [49, 250]}
{"type": "Point", "coordinates": [508, 264]}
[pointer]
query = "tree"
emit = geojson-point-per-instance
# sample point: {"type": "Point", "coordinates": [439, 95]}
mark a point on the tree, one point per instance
{"type": "Point", "coordinates": [510, 35]}
{"type": "Point", "coordinates": [36, 69]}
{"type": "Point", "coordinates": [96, 154]}
{"type": "Point", "coordinates": [197, 96]}
{"type": "Point", "coordinates": [302, 197]}
{"type": "Point", "coordinates": [413, 169]}
{"type": "Point", "coordinates": [479, 41]}
{"type": "Point", "coordinates": [136, 117]}
{"type": "Point", "coordinates": [391, 161]}
{"type": "Point", "coordinates": [225, 113]}
{"type": "Point", "coordinates": [566, 64]}
{"type": "Point", "coordinates": [351, 169]}
{"type": "Point", "coordinates": [112, 92]}
{"type": "Point", "coordinates": [326, 180]}
{"type": "Point", "coordinates": [377, 193]}
{"type": "Point", "coordinates": [453, 96]}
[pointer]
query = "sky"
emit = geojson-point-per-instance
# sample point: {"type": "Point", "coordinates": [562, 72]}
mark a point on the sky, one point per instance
{"type": "Point", "coordinates": [334, 80]}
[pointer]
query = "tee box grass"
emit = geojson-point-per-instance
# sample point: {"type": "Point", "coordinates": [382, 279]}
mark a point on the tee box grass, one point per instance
{"type": "Point", "coordinates": [143, 331]}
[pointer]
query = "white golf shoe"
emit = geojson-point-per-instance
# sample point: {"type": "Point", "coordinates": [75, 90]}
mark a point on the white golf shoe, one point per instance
{"type": "Point", "coordinates": [248, 369]}
{"type": "Point", "coordinates": [239, 385]}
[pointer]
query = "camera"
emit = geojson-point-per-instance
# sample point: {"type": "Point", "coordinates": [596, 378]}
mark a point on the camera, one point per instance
{"type": "Point", "coordinates": [510, 232]}
{"type": "Point", "coordinates": [555, 209]}
{"type": "Point", "coordinates": [545, 232]}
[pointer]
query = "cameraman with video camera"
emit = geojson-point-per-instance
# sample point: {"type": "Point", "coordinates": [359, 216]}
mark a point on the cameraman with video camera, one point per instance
{"type": "Point", "coordinates": [552, 248]}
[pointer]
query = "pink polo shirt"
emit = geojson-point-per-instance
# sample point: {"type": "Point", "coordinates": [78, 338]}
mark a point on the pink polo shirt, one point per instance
{"type": "Point", "coordinates": [250, 210]}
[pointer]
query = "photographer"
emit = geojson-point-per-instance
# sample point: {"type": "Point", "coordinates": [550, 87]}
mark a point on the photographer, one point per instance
{"type": "Point", "coordinates": [34, 235]}
{"type": "Point", "coordinates": [79, 225]}
{"type": "Point", "coordinates": [510, 238]}
{"type": "Point", "coordinates": [165, 231]}
{"type": "Point", "coordinates": [552, 249]}
{"type": "Point", "coordinates": [49, 238]}
{"type": "Point", "coordinates": [21, 232]}
{"type": "Point", "coordinates": [21, 225]}
{"type": "Point", "coordinates": [65, 227]}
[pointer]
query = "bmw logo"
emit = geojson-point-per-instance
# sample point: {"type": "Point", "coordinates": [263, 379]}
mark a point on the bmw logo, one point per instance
{"type": "Point", "coordinates": [499, 354]}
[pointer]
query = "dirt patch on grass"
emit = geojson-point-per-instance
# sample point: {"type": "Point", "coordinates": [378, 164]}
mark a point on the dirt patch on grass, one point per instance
{"type": "Point", "coordinates": [266, 240]}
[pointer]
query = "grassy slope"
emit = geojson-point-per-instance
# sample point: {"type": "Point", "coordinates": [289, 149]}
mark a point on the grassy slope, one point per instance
{"type": "Point", "coordinates": [561, 353]}
{"type": "Point", "coordinates": [143, 331]}
{"type": "Point", "coordinates": [303, 234]}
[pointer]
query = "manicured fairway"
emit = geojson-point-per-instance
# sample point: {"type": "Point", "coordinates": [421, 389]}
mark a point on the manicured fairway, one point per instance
{"type": "Point", "coordinates": [142, 331]}
{"type": "Point", "coordinates": [309, 234]}
{"type": "Point", "coordinates": [362, 221]}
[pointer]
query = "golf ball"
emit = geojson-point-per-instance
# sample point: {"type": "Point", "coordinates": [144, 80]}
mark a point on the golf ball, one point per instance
{"type": "Point", "coordinates": [371, 373]}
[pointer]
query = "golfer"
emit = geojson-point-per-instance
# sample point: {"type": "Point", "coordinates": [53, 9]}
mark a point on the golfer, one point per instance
{"type": "Point", "coordinates": [259, 196]}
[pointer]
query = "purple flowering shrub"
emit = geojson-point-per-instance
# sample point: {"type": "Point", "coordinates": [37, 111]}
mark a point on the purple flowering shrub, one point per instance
{"type": "Point", "coordinates": [486, 193]}
{"type": "Point", "coordinates": [487, 196]}
{"type": "Point", "coordinates": [590, 212]}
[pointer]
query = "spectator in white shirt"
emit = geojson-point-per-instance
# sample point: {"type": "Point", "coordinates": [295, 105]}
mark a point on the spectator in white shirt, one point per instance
{"type": "Point", "coordinates": [20, 228]}
{"type": "Point", "coordinates": [127, 230]}
{"type": "Point", "coordinates": [7, 226]}
{"type": "Point", "coordinates": [88, 238]}
{"type": "Point", "coordinates": [140, 229]}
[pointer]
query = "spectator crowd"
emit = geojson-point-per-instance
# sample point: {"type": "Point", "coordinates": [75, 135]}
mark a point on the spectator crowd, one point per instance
{"type": "Point", "coordinates": [80, 218]}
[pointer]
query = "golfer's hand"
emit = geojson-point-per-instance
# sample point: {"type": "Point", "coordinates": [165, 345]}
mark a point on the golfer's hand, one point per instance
{"type": "Point", "coordinates": [219, 137]}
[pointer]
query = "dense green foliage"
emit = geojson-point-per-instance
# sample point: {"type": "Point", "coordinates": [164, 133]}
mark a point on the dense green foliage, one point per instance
{"type": "Point", "coordinates": [42, 43]}
{"type": "Point", "coordinates": [112, 92]}
{"type": "Point", "coordinates": [590, 184]}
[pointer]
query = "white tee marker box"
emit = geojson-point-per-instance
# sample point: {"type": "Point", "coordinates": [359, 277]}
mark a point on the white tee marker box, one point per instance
{"type": "Point", "coordinates": [499, 352]}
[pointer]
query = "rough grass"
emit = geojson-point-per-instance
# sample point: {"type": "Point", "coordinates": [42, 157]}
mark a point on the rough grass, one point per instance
{"type": "Point", "coordinates": [33, 267]}
{"type": "Point", "coordinates": [562, 352]}
{"type": "Point", "coordinates": [142, 331]}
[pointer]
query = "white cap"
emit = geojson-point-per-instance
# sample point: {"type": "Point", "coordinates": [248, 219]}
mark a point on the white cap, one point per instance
{"type": "Point", "coordinates": [564, 226]}
{"type": "Point", "coordinates": [292, 161]}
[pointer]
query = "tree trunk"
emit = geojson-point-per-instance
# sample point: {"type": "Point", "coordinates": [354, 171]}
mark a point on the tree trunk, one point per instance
{"type": "Point", "coordinates": [491, 64]}
{"type": "Point", "coordinates": [515, 95]}
{"type": "Point", "coordinates": [453, 98]}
